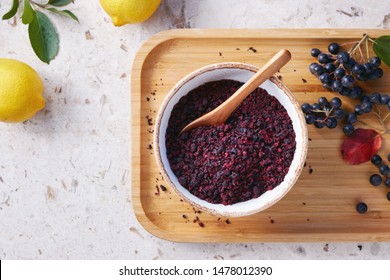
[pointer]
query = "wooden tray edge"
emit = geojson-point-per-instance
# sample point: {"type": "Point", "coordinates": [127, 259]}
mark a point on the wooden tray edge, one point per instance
{"type": "Point", "coordinates": [135, 101]}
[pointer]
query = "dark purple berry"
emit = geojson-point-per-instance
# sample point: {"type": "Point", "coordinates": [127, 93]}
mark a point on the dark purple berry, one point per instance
{"type": "Point", "coordinates": [351, 118]}
{"type": "Point", "coordinates": [339, 114]}
{"type": "Point", "coordinates": [334, 48]}
{"type": "Point", "coordinates": [319, 122]}
{"type": "Point", "coordinates": [356, 92]}
{"type": "Point", "coordinates": [324, 78]}
{"type": "Point", "coordinates": [331, 122]}
{"type": "Point", "coordinates": [327, 86]}
{"type": "Point", "coordinates": [337, 86]}
{"type": "Point", "coordinates": [345, 91]}
{"type": "Point", "coordinates": [369, 67]}
{"type": "Point", "coordinates": [335, 102]}
{"type": "Point", "coordinates": [364, 98]}
{"type": "Point", "coordinates": [348, 129]}
{"type": "Point", "coordinates": [349, 64]}
{"type": "Point", "coordinates": [343, 57]}
{"type": "Point", "coordinates": [375, 180]}
{"type": "Point", "coordinates": [361, 207]}
{"type": "Point", "coordinates": [362, 77]}
{"type": "Point", "coordinates": [366, 107]}
{"type": "Point", "coordinates": [376, 61]}
{"type": "Point", "coordinates": [323, 101]}
{"type": "Point", "coordinates": [311, 67]}
{"type": "Point", "coordinates": [384, 169]}
{"type": "Point", "coordinates": [306, 107]}
{"type": "Point", "coordinates": [315, 52]}
{"type": "Point", "coordinates": [315, 107]}
{"type": "Point", "coordinates": [376, 74]}
{"type": "Point", "coordinates": [339, 73]}
{"type": "Point", "coordinates": [387, 182]}
{"type": "Point", "coordinates": [376, 159]}
{"type": "Point", "coordinates": [318, 69]}
{"type": "Point", "coordinates": [384, 99]}
{"type": "Point", "coordinates": [309, 118]}
{"type": "Point", "coordinates": [323, 58]}
{"type": "Point", "coordinates": [329, 67]}
{"type": "Point", "coordinates": [359, 110]}
{"type": "Point", "coordinates": [358, 69]}
{"type": "Point", "coordinates": [348, 81]}
{"type": "Point", "coordinates": [375, 97]}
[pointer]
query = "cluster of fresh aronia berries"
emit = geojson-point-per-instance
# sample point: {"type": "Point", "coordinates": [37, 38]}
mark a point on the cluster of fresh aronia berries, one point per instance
{"type": "Point", "coordinates": [338, 71]}
{"type": "Point", "coordinates": [377, 179]}
{"type": "Point", "coordinates": [324, 113]}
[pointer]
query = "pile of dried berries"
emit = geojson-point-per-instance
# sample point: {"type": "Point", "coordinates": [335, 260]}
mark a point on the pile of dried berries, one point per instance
{"type": "Point", "coordinates": [236, 161]}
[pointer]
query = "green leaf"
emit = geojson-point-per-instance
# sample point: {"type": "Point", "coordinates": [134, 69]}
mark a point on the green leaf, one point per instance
{"type": "Point", "coordinates": [381, 48]}
{"type": "Point", "coordinates": [12, 11]}
{"type": "Point", "coordinates": [64, 13]}
{"type": "Point", "coordinates": [43, 37]}
{"type": "Point", "coordinates": [28, 13]}
{"type": "Point", "coordinates": [59, 3]}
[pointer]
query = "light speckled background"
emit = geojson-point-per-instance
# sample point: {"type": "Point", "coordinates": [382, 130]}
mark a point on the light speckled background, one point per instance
{"type": "Point", "coordinates": [65, 174]}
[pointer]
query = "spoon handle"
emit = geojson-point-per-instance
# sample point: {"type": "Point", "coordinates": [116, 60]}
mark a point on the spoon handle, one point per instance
{"type": "Point", "coordinates": [220, 114]}
{"type": "Point", "coordinates": [224, 110]}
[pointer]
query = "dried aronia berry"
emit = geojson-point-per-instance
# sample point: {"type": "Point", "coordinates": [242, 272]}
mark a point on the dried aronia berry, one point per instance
{"type": "Point", "coordinates": [236, 161]}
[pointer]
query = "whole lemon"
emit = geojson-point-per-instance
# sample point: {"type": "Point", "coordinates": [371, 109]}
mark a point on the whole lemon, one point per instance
{"type": "Point", "coordinates": [21, 91]}
{"type": "Point", "coordinates": [129, 11]}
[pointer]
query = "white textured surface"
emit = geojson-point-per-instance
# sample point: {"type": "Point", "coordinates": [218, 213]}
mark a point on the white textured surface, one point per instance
{"type": "Point", "coordinates": [65, 174]}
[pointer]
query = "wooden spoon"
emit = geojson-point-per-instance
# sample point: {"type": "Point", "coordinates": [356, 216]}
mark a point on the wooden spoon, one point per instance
{"type": "Point", "coordinates": [220, 114]}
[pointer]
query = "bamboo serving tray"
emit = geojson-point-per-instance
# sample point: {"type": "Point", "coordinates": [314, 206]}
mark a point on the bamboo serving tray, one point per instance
{"type": "Point", "coordinates": [320, 207]}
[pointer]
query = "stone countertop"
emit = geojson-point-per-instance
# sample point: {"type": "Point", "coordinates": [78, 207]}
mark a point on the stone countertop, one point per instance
{"type": "Point", "coordinates": [65, 174]}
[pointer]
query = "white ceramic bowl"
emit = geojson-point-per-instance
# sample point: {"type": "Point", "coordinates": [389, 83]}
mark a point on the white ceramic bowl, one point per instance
{"type": "Point", "coordinates": [239, 72]}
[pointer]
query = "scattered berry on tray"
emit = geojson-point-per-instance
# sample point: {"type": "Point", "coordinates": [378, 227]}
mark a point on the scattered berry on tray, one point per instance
{"type": "Point", "coordinates": [375, 180]}
{"type": "Point", "coordinates": [384, 169]}
{"type": "Point", "coordinates": [376, 159]}
{"type": "Point", "coordinates": [361, 207]}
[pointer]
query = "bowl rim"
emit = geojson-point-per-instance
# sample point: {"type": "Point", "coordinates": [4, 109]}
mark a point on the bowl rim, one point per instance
{"type": "Point", "coordinates": [193, 75]}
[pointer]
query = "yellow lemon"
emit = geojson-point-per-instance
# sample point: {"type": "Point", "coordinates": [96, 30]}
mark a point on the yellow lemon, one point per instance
{"type": "Point", "coordinates": [21, 91]}
{"type": "Point", "coordinates": [129, 11]}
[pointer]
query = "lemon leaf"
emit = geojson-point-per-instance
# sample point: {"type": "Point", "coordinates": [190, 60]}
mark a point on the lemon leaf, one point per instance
{"type": "Point", "coordinates": [28, 13]}
{"type": "Point", "coordinates": [12, 11]}
{"type": "Point", "coordinates": [59, 3]}
{"type": "Point", "coordinates": [43, 37]}
{"type": "Point", "coordinates": [64, 13]}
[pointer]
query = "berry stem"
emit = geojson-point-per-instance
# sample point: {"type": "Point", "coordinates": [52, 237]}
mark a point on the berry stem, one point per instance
{"type": "Point", "coordinates": [371, 40]}
{"type": "Point", "coordinates": [379, 115]}
{"type": "Point", "coordinates": [357, 45]}
{"type": "Point", "coordinates": [378, 110]}
{"type": "Point", "coordinates": [361, 55]}
{"type": "Point", "coordinates": [348, 43]}
{"type": "Point", "coordinates": [386, 116]}
{"type": "Point", "coordinates": [382, 131]}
